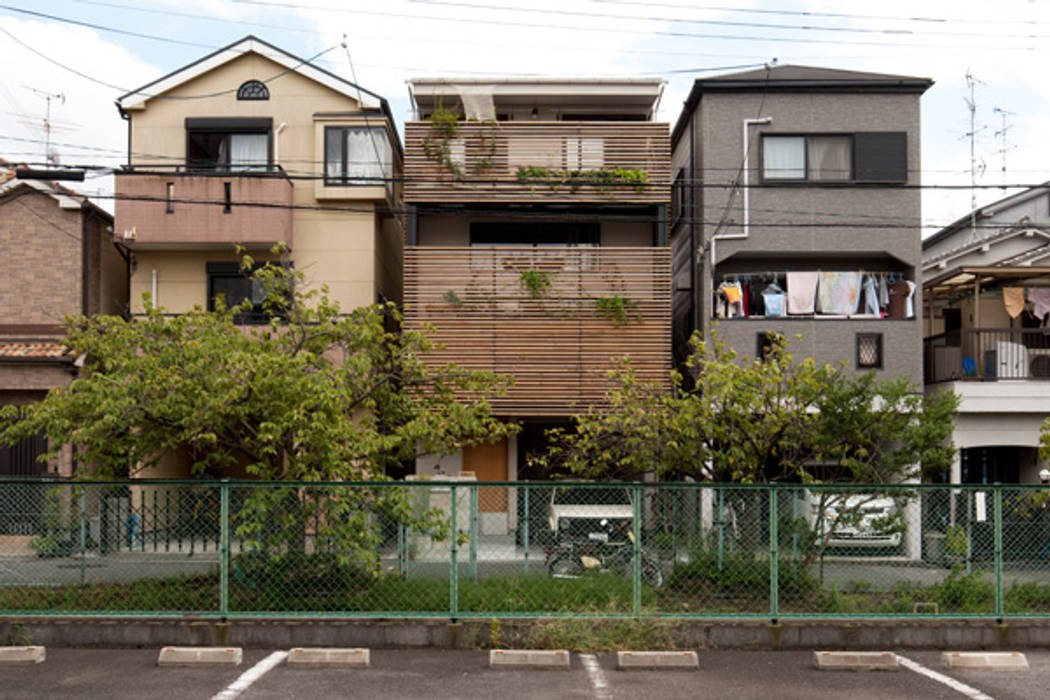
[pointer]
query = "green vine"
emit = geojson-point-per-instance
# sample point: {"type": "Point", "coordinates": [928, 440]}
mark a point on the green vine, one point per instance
{"type": "Point", "coordinates": [618, 310]}
{"type": "Point", "coordinates": [603, 178]}
{"type": "Point", "coordinates": [437, 146]}
{"type": "Point", "coordinates": [452, 298]}
{"type": "Point", "coordinates": [536, 282]}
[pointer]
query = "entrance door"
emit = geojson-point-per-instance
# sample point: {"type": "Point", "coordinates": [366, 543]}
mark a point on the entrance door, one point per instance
{"type": "Point", "coordinates": [489, 463]}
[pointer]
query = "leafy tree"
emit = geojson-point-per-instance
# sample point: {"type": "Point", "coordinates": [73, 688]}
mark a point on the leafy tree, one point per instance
{"type": "Point", "coordinates": [313, 395]}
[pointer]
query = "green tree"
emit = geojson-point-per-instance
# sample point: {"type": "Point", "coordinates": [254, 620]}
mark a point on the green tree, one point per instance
{"type": "Point", "coordinates": [313, 395]}
{"type": "Point", "coordinates": [754, 420]}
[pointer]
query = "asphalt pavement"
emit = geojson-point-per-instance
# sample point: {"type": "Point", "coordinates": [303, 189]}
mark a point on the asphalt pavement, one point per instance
{"type": "Point", "coordinates": [444, 674]}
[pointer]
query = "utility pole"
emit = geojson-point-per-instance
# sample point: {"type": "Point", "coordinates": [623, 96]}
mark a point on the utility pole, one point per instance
{"type": "Point", "coordinates": [1001, 133]}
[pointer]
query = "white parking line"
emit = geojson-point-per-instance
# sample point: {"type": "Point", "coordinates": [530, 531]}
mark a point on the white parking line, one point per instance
{"type": "Point", "coordinates": [966, 690]}
{"type": "Point", "coordinates": [597, 678]}
{"type": "Point", "coordinates": [253, 674]}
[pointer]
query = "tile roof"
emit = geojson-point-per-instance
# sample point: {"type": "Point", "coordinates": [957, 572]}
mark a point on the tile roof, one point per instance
{"type": "Point", "coordinates": [34, 350]}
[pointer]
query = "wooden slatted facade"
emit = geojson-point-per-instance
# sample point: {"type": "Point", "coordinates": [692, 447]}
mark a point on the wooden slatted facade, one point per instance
{"type": "Point", "coordinates": [481, 162]}
{"type": "Point", "coordinates": [557, 345]}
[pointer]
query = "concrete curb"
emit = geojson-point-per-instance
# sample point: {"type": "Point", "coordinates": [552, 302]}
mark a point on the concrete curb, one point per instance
{"type": "Point", "coordinates": [22, 656]}
{"type": "Point", "coordinates": [200, 656]}
{"type": "Point", "coordinates": [329, 658]}
{"type": "Point", "coordinates": [985, 661]}
{"type": "Point", "coordinates": [856, 661]}
{"type": "Point", "coordinates": [553, 659]}
{"type": "Point", "coordinates": [657, 661]}
{"type": "Point", "coordinates": [283, 633]}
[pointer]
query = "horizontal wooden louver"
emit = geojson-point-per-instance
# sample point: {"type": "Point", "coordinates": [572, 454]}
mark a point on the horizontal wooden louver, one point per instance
{"type": "Point", "coordinates": [558, 346]}
{"type": "Point", "coordinates": [481, 162]}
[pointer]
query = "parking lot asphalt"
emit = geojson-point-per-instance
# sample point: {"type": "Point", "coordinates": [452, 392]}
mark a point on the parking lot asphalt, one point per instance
{"type": "Point", "coordinates": [441, 674]}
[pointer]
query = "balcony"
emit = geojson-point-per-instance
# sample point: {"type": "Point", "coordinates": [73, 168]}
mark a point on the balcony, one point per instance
{"type": "Point", "coordinates": [556, 319]}
{"type": "Point", "coordinates": [988, 354]}
{"type": "Point", "coordinates": [625, 162]}
{"type": "Point", "coordinates": [197, 210]}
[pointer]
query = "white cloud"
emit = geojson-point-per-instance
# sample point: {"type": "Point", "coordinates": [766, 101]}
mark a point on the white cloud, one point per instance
{"type": "Point", "coordinates": [87, 126]}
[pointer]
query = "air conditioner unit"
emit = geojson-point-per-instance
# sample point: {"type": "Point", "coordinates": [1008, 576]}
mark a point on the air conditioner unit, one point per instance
{"type": "Point", "coordinates": [130, 234]}
{"type": "Point", "coordinates": [1011, 360]}
{"type": "Point", "coordinates": [1039, 363]}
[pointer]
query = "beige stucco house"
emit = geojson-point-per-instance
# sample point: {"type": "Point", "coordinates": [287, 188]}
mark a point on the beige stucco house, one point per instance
{"type": "Point", "coordinates": [253, 146]}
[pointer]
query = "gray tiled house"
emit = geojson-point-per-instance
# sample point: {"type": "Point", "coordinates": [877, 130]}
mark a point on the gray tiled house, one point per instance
{"type": "Point", "coordinates": [791, 169]}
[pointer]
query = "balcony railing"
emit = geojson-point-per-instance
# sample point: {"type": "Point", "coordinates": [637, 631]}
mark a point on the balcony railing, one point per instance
{"type": "Point", "coordinates": [556, 319]}
{"type": "Point", "coordinates": [186, 208]}
{"type": "Point", "coordinates": [984, 354]}
{"type": "Point", "coordinates": [538, 161]}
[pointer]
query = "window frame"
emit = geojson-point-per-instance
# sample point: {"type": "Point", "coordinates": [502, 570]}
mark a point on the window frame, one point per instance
{"type": "Point", "coordinates": [860, 141]}
{"type": "Point", "coordinates": [879, 349]}
{"type": "Point", "coordinates": [346, 180]}
{"type": "Point", "coordinates": [232, 270]}
{"type": "Point", "coordinates": [228, 127]}
{"type": "Point", "coordinates": [250, 90]}
{"type": "Point", "coordinates": [678, 198]}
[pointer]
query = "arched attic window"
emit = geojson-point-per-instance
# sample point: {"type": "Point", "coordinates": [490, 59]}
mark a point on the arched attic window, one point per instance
{"type": "Point", "coordinates": [253, 90]}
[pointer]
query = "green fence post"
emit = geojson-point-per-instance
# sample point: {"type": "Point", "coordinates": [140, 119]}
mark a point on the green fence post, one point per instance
{"type": "Point", "coordinates": [453, 580]}
{"type": "Point", "coordinates": [224, 549]}
{"type": "Point", "coordinates": [998, 551]}
{"type": "Point", "coordinates": [774, 572]}
{"type": "Point", "coordinates": [721, 527]}
{"type": "Point", "coordinates": [473, 532]}
{"type": "Point", "coordinates": [636, 528]}
{"type": "Point", "coordinates": [525, 529]}
{"type": "Point", "coordinates": [83, 536]}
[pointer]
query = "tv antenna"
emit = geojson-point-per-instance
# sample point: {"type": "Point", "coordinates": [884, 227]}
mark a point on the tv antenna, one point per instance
{"type": "Point", "coordinates": [971, 104]}
{"type": "Point", "coordinates": [1001, 134]}
{"type": "Point", "coordinates": [50, 155]}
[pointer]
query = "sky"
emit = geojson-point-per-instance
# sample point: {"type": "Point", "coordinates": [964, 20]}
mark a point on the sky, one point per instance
{"type": "Point", "coordinates": [89, 52]}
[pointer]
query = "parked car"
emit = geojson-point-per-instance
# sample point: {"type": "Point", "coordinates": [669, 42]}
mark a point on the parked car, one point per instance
{"type": "Point", "coordinates": [856, 520]}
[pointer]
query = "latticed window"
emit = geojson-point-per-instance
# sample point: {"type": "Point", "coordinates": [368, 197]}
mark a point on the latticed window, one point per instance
{"type": "Point", "coordinates": [869, 350]}
{"type": "Point", "coordinates": [253, 90]}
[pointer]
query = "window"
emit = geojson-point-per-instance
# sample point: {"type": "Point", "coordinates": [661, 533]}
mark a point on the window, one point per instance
{"type": "Point", "coordinates": [356, 155]}
{"type": "Point", "coordinates": [869, 350]}
{"type": "Point", "coordinates": [678, 202]}
{"type": "Point", "coordinates": [765, 342]}
{"type": "Point", "coordinates": [235, 285]}
{"type": "Point", "coordinates": [859, 157]}
{"type": "Point", "coordinates": [253, 90]}
{"type": "Point", "coordinates": [228, 144]}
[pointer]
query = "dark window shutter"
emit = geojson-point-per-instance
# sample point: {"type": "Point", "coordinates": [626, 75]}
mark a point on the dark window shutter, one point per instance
{"type": "Point", "coordinates": [880, 156]}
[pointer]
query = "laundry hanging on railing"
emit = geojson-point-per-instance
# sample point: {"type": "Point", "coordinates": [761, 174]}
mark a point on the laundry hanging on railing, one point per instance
{"type": "Point", "coordinates": [819, 293]}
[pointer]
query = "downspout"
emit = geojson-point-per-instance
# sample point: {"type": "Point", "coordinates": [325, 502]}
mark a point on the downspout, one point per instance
{"type": "Point", "coordinates": [85, 248]}
{"type": "Point", "coordinates": [126, 255]}
{"type": "Point", "coordinates": [276, 142]}
{"type": "Point", "coordinates": [747, 192]}
{"type": "Point", "coordinates": [153, 288]}
{"type": "Point", "coordinates": [126, 117]}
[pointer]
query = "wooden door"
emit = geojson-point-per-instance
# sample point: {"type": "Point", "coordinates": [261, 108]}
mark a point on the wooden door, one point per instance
{"type": "Point", "coordinates": [489, 463]}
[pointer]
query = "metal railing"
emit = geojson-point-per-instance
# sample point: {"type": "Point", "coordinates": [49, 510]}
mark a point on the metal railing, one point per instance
{"type": "Point", "coordinates": [988, 354]}
{"type": "Point", "coordinates": [461, 548]}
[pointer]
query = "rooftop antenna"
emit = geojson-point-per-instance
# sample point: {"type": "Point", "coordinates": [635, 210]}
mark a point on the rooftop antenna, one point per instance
{"type": "Point", "coordinates": [50, 155]}
{"type": "Point", "coordinates": [1001, 133]}
{"type": "Point", "coordinates": [971, 104]}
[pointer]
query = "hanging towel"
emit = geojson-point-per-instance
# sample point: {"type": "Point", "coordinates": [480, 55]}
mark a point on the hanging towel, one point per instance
{"type": "Point", "coordinates": [838, 292]}
{"type": "Point", "coordinates": [884, 292]}
{"type": "Point", "coordinates": [909, 304]}
{"type": "Point", "coordinates": [773, 300]}
{"type": "Point", "coordinates": [801, 292]}
{"type": "Point", "coordinates": [871, 296]}
{"type": "Point", "coordinates": [1040, 298]}
{"type": "Point", "coordinates": [1013, 300]}
{"type": "Point", "coordinates": [755, 307]}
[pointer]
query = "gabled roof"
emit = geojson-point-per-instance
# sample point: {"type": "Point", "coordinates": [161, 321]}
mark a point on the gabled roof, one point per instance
{"type": "Point", "coordinates": [65, 197]}
{"type": "Point", "coordinates": [136, 99]}
{"type": "Point", "coordinates": [803, 79]}
{"type": "Point", "coordinates": [34, 351]}
{"type": "Point", "coordinates": [987, 211]}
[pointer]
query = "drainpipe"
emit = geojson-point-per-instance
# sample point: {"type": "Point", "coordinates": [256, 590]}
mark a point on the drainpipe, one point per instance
{"type": "Point", "coordinates": [276, 142]}
{"type": "Point", "coordinates": [747, 193]}
{"type": "Point", "coordinates": [153, 288]}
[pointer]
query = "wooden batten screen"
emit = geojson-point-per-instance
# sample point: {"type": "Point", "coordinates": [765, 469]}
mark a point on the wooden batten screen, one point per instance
{"type": "Point", "coordinates": [481, 162]}
{"type": "Point", "coordinates": [559, 341]}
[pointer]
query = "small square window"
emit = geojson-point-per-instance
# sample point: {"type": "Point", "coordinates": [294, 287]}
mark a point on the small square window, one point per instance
{"type": "Point", "coordinates": [869, 350]}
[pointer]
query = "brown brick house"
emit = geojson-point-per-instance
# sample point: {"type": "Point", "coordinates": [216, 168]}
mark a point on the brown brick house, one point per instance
{"type": "Point", "coordinates": [58, 260]}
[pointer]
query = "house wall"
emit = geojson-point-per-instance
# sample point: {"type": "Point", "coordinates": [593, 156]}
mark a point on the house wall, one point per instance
{"type": "Point", "coordinates": [42, 260]}
{"type": "Point", "coordinates": [792, 227]}
{"type": "Point", "coordinates": [335, 247]}
{"type": "Point", "coordinates": [453, 230]}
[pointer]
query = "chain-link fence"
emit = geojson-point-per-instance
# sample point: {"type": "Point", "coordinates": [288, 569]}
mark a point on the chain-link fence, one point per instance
{"type": "Point", "coordinates": [467, 549]}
